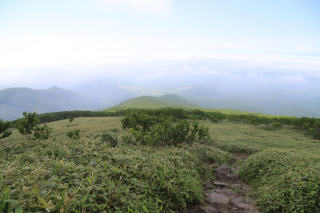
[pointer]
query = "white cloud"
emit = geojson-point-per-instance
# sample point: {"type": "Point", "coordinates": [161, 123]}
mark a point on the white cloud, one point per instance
{"type": "Point", "coordinates": [294, 79]}
{"type": "Point", "coordinates": [306, 50]}
{"type": "Point", "coordinates": [154, 6]}
{"type": "Point", "coordinates": [30, 51]}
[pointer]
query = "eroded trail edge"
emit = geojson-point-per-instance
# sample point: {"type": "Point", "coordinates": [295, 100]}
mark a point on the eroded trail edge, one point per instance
{"type": "Point", "coordinates": [228, 193]}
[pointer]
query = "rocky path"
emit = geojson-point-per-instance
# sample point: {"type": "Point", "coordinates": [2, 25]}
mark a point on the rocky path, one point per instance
{"type": "Point", "coordinates": [228, 194]}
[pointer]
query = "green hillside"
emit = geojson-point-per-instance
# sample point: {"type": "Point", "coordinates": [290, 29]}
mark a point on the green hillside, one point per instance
{"type": "Point", "coordinates": [175, 101]}
{"type": "Point", "coordinates": [92, 175]}
{"type": "Point", "coordinates": [150, 102]}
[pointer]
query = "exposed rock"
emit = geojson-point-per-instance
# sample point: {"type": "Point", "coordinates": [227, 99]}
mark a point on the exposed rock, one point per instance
{"type": "Point", "coordinates": [219, 184]}
{"type": "Point", "coordinates": [223, 170]}
{"type": "Point", "coordinates": [237, 185]}
{"type": "Point", "coordinates": [202, 209]}
{"type": "Point", "coordinates": [209, 209]}
{"type": "Point", "coordinates": [223, 198]}
{"type": "Point", "coordinates": [232, 177]}
{"type": "Point", "coordinates": [226, 192]}
{"type": "Point", "coordinates": [217, 198]}
{"type": "Point", "coordinates": [236, 170]}
{"type": "Point", "coordinates": [244, 206]}
{"type": "Point", "coordinates": [208, 185]}
{"type": "Point", "coordinates": [241, 186]}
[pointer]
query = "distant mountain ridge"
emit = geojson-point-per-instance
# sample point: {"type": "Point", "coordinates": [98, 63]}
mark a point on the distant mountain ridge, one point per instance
{"type": "Point", "coordinates": [15, 101]}
{"type": "Point", "coordinates": [151, 102]}
{"type": "Point", "coordinates": [99, 96]}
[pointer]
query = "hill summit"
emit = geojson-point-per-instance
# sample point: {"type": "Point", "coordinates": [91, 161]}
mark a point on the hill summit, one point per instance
{"type": "Point", "coordinates": [151, 102]}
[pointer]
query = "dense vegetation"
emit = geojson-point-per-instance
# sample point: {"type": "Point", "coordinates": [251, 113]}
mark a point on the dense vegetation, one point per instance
{"type": "Point", "coordinates": [154, 161]}
{"type": "Point", "coordinates": [160, 130]}
{"type": "Point", "coordinates": [4, 129]}
{"type": "Point", "coordinates": [88, 174]}
{"type": "Point", "coordinates": [28, 125]}
{"type": "Point", "coordinates": [310, 125]}
{"type": "Point", "coordinates": [286, 180]}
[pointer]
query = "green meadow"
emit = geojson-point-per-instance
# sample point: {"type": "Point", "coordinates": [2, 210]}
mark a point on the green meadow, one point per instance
{"type": "Point", "coordinates": [91, 175]}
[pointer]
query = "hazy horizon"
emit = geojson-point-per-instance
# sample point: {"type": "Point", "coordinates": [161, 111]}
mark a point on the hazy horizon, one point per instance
{"type": "Point", "coordinates": [256, 55]}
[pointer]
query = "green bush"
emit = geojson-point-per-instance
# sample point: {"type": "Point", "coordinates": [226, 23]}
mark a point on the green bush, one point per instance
{"type": "Point", "coordinates": [91, 177]}
{"type": "Point", "coordinates": [308, 125]}
{"type": "Point", "coordinates": [160, 130]}
{"type": "Point", "coordinates": [316, 132]}
{"type": "Point", "coordinates": [112, 139]}
{"type": "Point", "coordinates": [273, 126]}
{"type": "Point", "coordinates": [216, 116]}
{"type": "Point", "coordinates": [276, 125]}
{"type": "Point", "coordinates": [7, 204]}
{"type": "Point", "coordinates": [74, 134]}
{"type": "Point", "coordinates": [139, 121]}
{"type": "Point", "coordinates": [210, 154]}
{"type": "Point", "coordinates": [237, 147]}
{"type": "Point", "coordinates": [26, 125]}
{"type": "Point", "coordinates": [41, 132]}
{"type": "Point", "coordinates": [285, 181]}
{"type": "Point", "coordinates": [129, 139]}
{"type": "Point", "coordinates": [4, 129]}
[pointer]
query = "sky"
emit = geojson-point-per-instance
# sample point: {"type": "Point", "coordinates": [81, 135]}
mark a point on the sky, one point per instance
{"type": "Point", "coordinates": [64, 38]}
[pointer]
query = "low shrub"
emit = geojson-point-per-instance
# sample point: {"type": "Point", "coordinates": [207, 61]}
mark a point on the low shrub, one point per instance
{"type": "Point", "coordinates": [316, 132]}
{"type": "Point", "coordinates": [273, 126]}
{"type": "Point", "coordinates": [210, 154]}
{"type": "Point", "coordinates": [41, 132]}
{"type": "Point", "coordinates": [129, 139]}
{"type": "Point", "coordinates": [285, 181]}
{"type": "Point", "coordinates": [4, 129]}
{"type": "Point", "coordinates": [174, 114]}
{"type": "Point", "coordinates": [29, 126]}
{"type": "Point", "coordinates": [91, 177]}
{"type": "Point", "coordinates": [237, 148]}
{"type": "Point", "coordinates": [74, 134]}
{"type": "Point", "coordinates": [112, 139]}
{"type": "Point", "coordinates": [158, 130]}
{"type": "Point", "coordinates": [26, 125]}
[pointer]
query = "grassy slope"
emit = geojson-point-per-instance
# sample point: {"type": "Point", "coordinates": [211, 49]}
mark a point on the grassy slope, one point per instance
{"type": "Point", "coordinates": [89, 175]}
{"type": "Point", "coordinates": [283, 168]}
{"type": "Point", "coordinates": [224, 133]}
{"type": "Point", "coordinates": [233, 136]}
{"type": "Point", "coordinates": [173, 101]}
{"type": "Point", "coordinates": [89, 166]}
{"type": "Point", "coordinates": [240, 112]}
{"type": "Point", "coordinates": [149, 102]}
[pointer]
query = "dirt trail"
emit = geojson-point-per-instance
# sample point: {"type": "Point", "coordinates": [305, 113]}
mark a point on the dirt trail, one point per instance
{"type": "Point", "coordinates": [228, 194]}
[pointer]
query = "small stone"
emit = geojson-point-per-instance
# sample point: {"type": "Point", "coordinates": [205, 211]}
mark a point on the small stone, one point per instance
{"type": "Point", "coordinates": [223, 170]}
{"type": "Point", "coordinates": [220, 184]}
{"type": "Point", "coordinates": [244, 206]}
{"type": "Point", "coordinates": [237, 185]}
{"type": "Point", "coordinates": [208, 209]}
{"type": "Point", "coordinates": [217, 198]}
{"type": "Point", "coordinates": [208, 185]}
{"type": "Point", "coordinates": [236, 170]}
{"type": "Point", "coordinates": [242, 203]}
{"type": "Point", "coordinates": [233, 177]}
{"type": "Point", "coordinates": [226, 192]}
{"type": "Point", "coordinates": [237, 200]}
